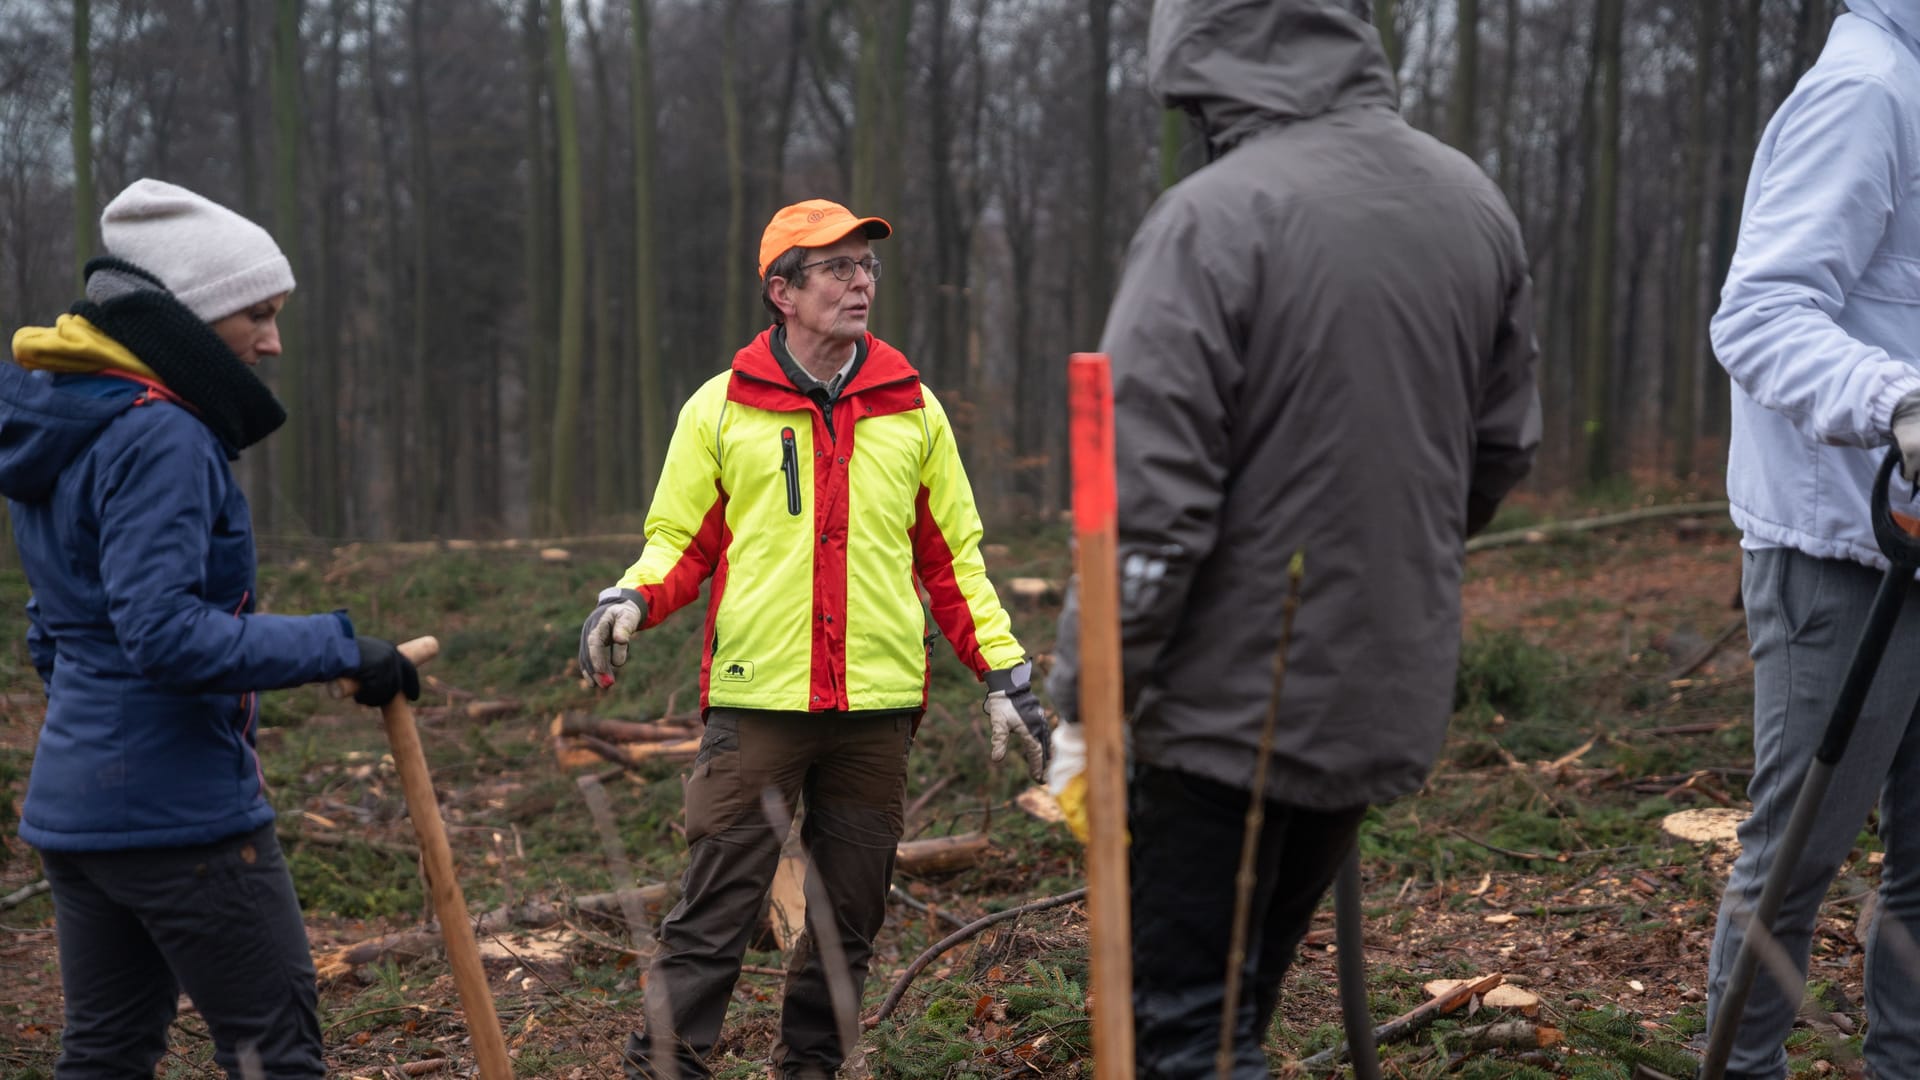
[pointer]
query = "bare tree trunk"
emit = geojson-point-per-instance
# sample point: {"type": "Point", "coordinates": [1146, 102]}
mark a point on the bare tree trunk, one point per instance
{"type": "Point", "coordinates": [1684, 351]}
{"type": "Point", "coordinates": [389, 397]}
{"type": "Point", "coordinates": [425, 491]}
{"type": "Point", "coordinates": [240, 29]}
{"type": "Point", "coordinates": [237, 34]}
{"type": "Point", "coordinates": [945, 363]}
{"type": "Point", "coordinates": [541, 312]}
{"type": "Point", "coordinates": [1099, 269]}
{"type": "Point", "coordinates": [797, 48]}
{"type": "Point", "coordinates": [891, 319]}
{"type": "Point", "coordinates": [732, 311]}
{"type": "Point", "coordinates": [1509, 66]}
{"type": "Point", "coordinates": [339, 375]}
{"type": "Point", "coordinates": [608, 442]}
{"type": "Point", "coordinates": [573, 258]}
{"type": "Point", "coordinates": [1736, 161]}
{"type": "Point", "coordinates": [83, 208]}
{"type": "Point", "coordinates": [291, 452]}
{"type": "Point", "coordinates": [1601, 245]}
{"type": "Point", "coordinates": [866, 128]}
{"type": "Point", "coordinates": [1812, 19]}
{"type": "Point", "coordinates": [1464, 109]}
{"type": "Point", "coordinates": [1386, 19]}
{"type": "Point", "coordinates": [651, 408]}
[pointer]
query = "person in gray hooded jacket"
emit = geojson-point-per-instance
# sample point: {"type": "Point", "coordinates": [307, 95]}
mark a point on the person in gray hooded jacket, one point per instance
{"type": "Point", "coordinates": [1321, 342]}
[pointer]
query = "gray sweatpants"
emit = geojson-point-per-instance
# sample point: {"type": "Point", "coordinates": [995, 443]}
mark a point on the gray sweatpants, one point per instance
{"type": "Point", "coordinates": [219, 921]}
{"type": "Point", "coordinates": [1804, 616]}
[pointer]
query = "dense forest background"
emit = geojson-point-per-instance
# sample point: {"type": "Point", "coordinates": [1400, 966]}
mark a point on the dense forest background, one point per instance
{"type": "Point", "coordinates": [525, 230]}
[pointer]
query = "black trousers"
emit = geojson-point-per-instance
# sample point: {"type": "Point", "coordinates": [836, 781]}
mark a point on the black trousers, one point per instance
{"type": "Point", "coordinates": [1187, 833]}
{"type": "Point", "coordinates": [219, 921]}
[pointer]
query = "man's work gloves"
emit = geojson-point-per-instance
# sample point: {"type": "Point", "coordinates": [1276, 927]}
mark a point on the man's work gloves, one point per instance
{"type": "Point", "coordinates": [1067, 776]}
{"type": "Point", "coordinates": [1906, 436]}
{"type": "Point", "coordinates": [384, 673]}
{"type": "Point", "coordinates": [1014, 714]}
{"type": "Point", "coordinates": [604, 637]}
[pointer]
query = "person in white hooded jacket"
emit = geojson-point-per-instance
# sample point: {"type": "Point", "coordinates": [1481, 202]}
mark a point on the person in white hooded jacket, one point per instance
{"type": "Point", "coordinates": [1819, 329]}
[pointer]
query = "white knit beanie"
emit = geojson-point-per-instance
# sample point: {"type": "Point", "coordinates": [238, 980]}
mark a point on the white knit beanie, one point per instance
{"type": "Point", "coordinates": [213, 260]}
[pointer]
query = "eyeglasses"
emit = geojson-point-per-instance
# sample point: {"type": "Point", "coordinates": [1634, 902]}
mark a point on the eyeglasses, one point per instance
{"type": "Point", "coordinates": [841, 266]}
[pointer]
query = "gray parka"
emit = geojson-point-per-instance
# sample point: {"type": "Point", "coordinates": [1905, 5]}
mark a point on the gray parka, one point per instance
{"type": "Point", "coordinates": [1321, 342]}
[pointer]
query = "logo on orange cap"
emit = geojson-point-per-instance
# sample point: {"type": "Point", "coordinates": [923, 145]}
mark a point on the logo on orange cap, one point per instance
{"type": "Point", "coordinates": [813, 223]}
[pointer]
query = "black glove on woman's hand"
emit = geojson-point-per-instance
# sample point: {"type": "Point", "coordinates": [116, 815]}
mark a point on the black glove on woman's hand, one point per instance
{"type": "Point", "coordinates": [383, 673]}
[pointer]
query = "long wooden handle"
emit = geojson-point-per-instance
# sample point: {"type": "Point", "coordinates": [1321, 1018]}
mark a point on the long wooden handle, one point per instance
{"type": "Point", "coordinates": [419, 650]}
{"type": "Point", "coordinates": [1090, 407]}
{"type": "Point", "coordinates": [456, 926]}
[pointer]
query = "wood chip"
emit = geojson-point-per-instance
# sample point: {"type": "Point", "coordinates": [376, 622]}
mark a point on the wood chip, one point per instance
{"type": "Point", "coordinates": [1039, 803]}
{"type": "Point", "coordinates": [1709, 825]}
{"type": "Point", "coordinates": [1512, 998]}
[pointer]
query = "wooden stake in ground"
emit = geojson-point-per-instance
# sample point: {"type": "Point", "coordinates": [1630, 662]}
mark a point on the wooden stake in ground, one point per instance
{"type": "Point", "coordinates": [483, 1023]}
{"type": "Point", "coordinates": [1096, 530]}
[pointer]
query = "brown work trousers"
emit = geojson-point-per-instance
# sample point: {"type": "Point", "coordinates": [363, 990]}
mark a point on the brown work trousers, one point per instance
{"type": "Point", "coordinates": [849, 772]}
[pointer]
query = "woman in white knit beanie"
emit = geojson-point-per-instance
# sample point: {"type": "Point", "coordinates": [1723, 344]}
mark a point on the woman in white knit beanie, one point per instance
{"type": "Point", "coordinates": [147, 801]}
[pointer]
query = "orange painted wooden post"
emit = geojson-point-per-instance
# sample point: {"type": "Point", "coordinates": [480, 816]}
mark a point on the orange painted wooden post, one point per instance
{"type": "Point", "coordinates": [1096, 531]}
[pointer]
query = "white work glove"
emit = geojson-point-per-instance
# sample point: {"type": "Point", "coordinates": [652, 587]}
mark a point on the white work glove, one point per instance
{"type": "Point", "coordinates": [1906, 436]}
{"type": "Point", "coordinates": [604, 636]}
{"type": "Point", "coordinates": [1067, 776]}
{"type": "Point", "coordinates": [1014, 713]}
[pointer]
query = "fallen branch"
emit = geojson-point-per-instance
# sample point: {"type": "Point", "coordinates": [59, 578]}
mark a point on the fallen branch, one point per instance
{"type": "Point", "coordinates": [941, 854]}
{"type": "Point", "coordinates": [492, 710]}
{"type": "Point", "coordinates": [1512, 1035]}
{"type": "Point", "coordinates": [1525, 856]}
{"type": "Point", "coordinates": [920, 801]}
{"type": "Point", "coordinates": [1409, 1022]}
{"type": "Point", "coordinates": [1704, 727]}
{"type": "Point", "coordinates": [633, 755]}
{"type": "Point", "coordinates": [534, 915]}
{"type": "Point", "coordinates": [895, 892]}
{"type": "Point", "coordinates": [452, 692]}
{"type": "Point", "coordinates": [1541, 533]}
{"type": "Point", "coordinates": [622, 731]}
{"type": "Point", "coordinates": [1705, 653]}
{"type": "Point", "coordinates": [964, 933]}
{"type": "Point", "coordinates": [21, 896]}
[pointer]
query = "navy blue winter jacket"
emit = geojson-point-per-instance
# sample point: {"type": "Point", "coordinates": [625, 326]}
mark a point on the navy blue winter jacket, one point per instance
{"type": "Point", "coordinates": [138, 547]}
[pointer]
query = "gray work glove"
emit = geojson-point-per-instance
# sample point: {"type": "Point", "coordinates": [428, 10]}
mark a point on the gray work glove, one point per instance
{"type": "Point", "coordinates": [1906, 436]}
{"type": "Point", "coordinates": [1014, 713]}
{"type": "Point", "coordinates": [604, 636]}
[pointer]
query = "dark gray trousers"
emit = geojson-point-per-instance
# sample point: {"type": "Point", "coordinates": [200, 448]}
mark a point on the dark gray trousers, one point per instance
{"type": "Point", "coordinates": [219, 921]}
{"type": "Point", "coordinates": [1804, 616]}
{"type": "Point", "coordinates": [849, 772]}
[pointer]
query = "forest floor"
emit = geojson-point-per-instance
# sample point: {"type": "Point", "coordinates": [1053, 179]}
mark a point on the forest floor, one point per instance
{"type": "Point", "coordinates": [1534, 851]}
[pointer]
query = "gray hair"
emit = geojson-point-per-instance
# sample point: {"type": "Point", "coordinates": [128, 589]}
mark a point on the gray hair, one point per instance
{"type": "Point", "coordinates": [787, 265]}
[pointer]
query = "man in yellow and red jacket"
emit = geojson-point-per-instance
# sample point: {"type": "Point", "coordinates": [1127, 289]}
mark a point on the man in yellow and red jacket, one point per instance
{"type": "Point", "coordinates": [814, 483]}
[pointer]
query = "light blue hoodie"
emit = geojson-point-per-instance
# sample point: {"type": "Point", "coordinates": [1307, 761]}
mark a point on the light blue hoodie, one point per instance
{"type": "Point", "coordinates": [1819, 323]}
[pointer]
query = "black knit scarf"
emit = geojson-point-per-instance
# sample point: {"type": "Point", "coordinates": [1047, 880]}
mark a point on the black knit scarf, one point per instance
{"type": "Point", "coordinates": [187, 355]}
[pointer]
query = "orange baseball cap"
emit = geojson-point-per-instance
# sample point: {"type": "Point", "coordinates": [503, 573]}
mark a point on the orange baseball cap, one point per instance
{"type": "Point", "coordinates": [814, 223]}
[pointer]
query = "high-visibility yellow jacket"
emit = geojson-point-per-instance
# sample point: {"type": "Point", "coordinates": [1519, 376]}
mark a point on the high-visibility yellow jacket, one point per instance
{"type": "Point", "coordinates": [814, 539]}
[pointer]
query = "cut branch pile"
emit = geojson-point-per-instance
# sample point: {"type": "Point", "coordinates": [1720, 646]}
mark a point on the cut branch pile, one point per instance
{"type": "Point", "coordinates": [580, 741]}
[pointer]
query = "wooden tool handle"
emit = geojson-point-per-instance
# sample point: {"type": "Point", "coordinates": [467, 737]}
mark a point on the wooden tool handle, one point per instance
{"type": "Point", "coordinates": [436, 858]}
{"type": "Point", "coordinates": [419, 650]}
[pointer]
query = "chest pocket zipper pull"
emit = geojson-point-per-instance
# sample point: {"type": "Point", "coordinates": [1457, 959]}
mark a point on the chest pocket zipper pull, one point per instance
{"type": "Point", "coordinates": [790, 465]}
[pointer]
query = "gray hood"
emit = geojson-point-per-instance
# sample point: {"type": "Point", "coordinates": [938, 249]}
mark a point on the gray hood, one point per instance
{"type": "Point", "coordinates": [1900, 16]}
{"type": "Point", "coordinates": [1248, 64]}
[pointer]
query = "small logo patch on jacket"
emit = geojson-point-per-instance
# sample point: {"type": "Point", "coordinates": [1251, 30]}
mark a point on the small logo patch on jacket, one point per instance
{"type": "Point", "coordinates": [737, 671]}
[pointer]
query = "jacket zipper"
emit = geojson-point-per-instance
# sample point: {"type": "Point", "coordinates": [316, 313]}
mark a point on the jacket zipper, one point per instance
{"type": "Point", "coordinates": [790, 465]}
